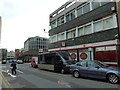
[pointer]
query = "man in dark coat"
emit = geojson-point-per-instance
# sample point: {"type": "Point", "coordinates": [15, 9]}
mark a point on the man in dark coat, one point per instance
{"type": "Point", "coordinates": [13, 69]}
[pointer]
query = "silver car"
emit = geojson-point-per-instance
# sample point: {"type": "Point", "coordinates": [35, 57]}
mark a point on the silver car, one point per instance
{"type": "Point", "coordinates": [95, 69]}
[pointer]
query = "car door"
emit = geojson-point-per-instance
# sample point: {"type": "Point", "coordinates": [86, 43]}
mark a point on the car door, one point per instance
{"type": "Point", "coordinates": [95, 70]}
{"type": "Point", "coordinates": [82, 66]}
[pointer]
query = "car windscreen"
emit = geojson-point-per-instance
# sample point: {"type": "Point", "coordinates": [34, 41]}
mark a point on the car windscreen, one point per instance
{"type": "Point", "coordinates": [36, 59]}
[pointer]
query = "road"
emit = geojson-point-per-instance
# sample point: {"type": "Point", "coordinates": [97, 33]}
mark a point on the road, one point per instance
{"type": "Point", "coordinates": [28, 77]}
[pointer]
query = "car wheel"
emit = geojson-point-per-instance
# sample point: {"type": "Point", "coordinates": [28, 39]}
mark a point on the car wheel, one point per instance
{"type": "Point", "coordinates": [62, 71]}
{"type": "Point", "coordinates": [76, 74]}
{"type": "Point", "coordinates": [112, 78]}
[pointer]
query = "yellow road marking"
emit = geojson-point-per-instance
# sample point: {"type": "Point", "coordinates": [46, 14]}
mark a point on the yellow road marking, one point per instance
{"type": "Point", "coordinates": [5, 82]}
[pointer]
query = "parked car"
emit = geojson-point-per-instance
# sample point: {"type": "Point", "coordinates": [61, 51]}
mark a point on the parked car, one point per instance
{"type": "Point", "coordinates": [95, 69]}
{"type": "Point", "coordinates": [4, 61]}
{"type": "Point", "coordinates": [19, 61]}
{"type": "Point", "coordinates": [34, 62]}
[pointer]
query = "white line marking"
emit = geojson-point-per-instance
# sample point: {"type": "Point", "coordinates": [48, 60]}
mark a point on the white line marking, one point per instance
{"type": "Point", "coordinates": [64, 83]}
{"type": "Point", "coordinates": [11, 75]}
{"type": "Point", "coordinates": [3, 71]}
{"type": "Point", "coordinates": [19, 71]}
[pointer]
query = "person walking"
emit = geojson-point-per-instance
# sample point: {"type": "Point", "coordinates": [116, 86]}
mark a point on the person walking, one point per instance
{"type": "Point", "coordinates": [13, 67]}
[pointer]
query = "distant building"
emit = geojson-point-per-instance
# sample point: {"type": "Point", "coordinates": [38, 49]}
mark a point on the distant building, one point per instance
{"type": "Point", "coordinates": [86, 30]}
{"type": "Point", "coordinates": [36, 43]}
{"type": "Point", "coordinates": [33, 45]}
{"type": "Point", "coordinates": [10, 55]}
{"type": "Point", "coordinates": [3, 54]}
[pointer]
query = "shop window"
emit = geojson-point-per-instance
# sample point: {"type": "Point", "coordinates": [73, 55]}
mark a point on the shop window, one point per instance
{"type": "Point", "coordinates": [80, 31]}
{"type": "Point", "coordinates": [86, 8]}
{"type": "Point", "coordinates": [95, 4]}
{"type": "Point", "coordinates": [88, 29]}
{"type": "Point", "coordinates": [73, 54]}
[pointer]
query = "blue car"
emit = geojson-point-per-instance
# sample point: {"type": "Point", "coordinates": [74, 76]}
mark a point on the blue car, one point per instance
{"type": "Point", "coordinates": [95, 69]}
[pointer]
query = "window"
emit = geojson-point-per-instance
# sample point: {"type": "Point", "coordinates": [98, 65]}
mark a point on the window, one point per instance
{"type": "Point", "coordinates": [88, 29]}
{"type": "Point", "coordinates": [95, 4]}
{"type": "Point", "coordinates": [105, 2]}
{"type": "Point", "coordinates": [79, 11]}
{"type": "Point", "coordinates": [92, 64]}
{"type": "Point", "coordinates": [53, 39]}
{"type": "Point", "coordinates": [80, 31]}
{"type": "Point", "coordinates": [70, 16]}
{"type": "Point", "coordinates": [110, 48]}
{"type": "Point", "coordinates": [86, 8]}
{"type": "Point", "coordinates": [61, 37]}
{"type": "Point", "coordinates": [108, 23]}
{"type": "Point", "coordinates": [70, 34]}
{"type": "Point", "coordinates": [83, 64]}
{"type": "Point", "coordinates": [53, 24]}
{"type": "Point", "coordinates": [98, 26]}
{"type": "Point", "coordinates": [60, 21]}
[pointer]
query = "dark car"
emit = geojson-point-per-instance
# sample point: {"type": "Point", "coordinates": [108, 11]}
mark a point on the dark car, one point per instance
{"type": "Point", "coordinates": [96, 69]}
{"type": "Point", "coordinates": [19, 61]}
{"type": "Point", "coordinates": [4, 61]}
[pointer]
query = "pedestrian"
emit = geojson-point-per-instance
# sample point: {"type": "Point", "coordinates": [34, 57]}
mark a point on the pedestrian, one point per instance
{"type": "Point", "coordinates": [13, 67]}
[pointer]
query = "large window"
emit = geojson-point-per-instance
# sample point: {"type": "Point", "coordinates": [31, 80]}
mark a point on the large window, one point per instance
{"type": "Point", "coordinates": [80, 31]}
{"type": "Point", "coordinates": [70, 34]}
{"type": "Point", "coordinates": [108, 23]}
{"type": "Point", "coordinates": [79, 11]}
{"type": "Point", "coordinates": [98, 26]}
{"type": "Point", "coordinates": [88, 29]}
{"type": "Point", "coordinates": [70, 16]}
{"type": "Point", "coordinates": [61, 37]}
{"type": "Point", "coordinates": [53, 39]}
{"type": "Point", "coordinates": [95, 4]}
{"type": "Point", "coordinates": [53, 24]}
{"type": "Point", "coordinates": [86, 8]}
{"type": "Point", "coordinates": [60, 20]}
{"type": "Point", "coordinates": [105, 2]}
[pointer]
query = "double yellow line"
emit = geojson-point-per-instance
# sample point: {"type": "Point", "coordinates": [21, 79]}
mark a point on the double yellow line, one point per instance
{"type": "Point", "coordinates": [5, 82]}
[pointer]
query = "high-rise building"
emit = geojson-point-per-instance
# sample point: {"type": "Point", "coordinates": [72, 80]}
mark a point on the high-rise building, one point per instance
{"type": "Point", "coordinates": [86, 29]}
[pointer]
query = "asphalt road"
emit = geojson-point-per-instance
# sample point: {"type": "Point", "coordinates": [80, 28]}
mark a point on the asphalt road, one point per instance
{"type": "Point", "coordinates": [28, 77]}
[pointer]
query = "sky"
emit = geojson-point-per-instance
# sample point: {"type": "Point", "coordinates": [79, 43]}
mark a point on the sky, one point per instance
{"type": "Point", "coordinates": [22, 19]}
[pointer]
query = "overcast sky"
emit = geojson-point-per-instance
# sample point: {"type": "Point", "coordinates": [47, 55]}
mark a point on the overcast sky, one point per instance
{"type": "Point", "coordinates": [25, 18]}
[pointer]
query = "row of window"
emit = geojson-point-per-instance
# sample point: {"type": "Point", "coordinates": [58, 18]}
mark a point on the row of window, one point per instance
{"type": "Point", "coordinates": [92, 27]}
{"type": "Point", "coordinates": [87, 7]}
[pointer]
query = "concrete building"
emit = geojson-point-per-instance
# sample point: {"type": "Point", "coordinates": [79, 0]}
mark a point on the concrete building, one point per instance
{"type": "Point", "coordinates": [11, 55]}
{"type": "Point", "coordinates": [33, 45]}
{"type": "Point", "coordinates": [86, 30]}
{"type": "Point", "coordinates": [3, 54]}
